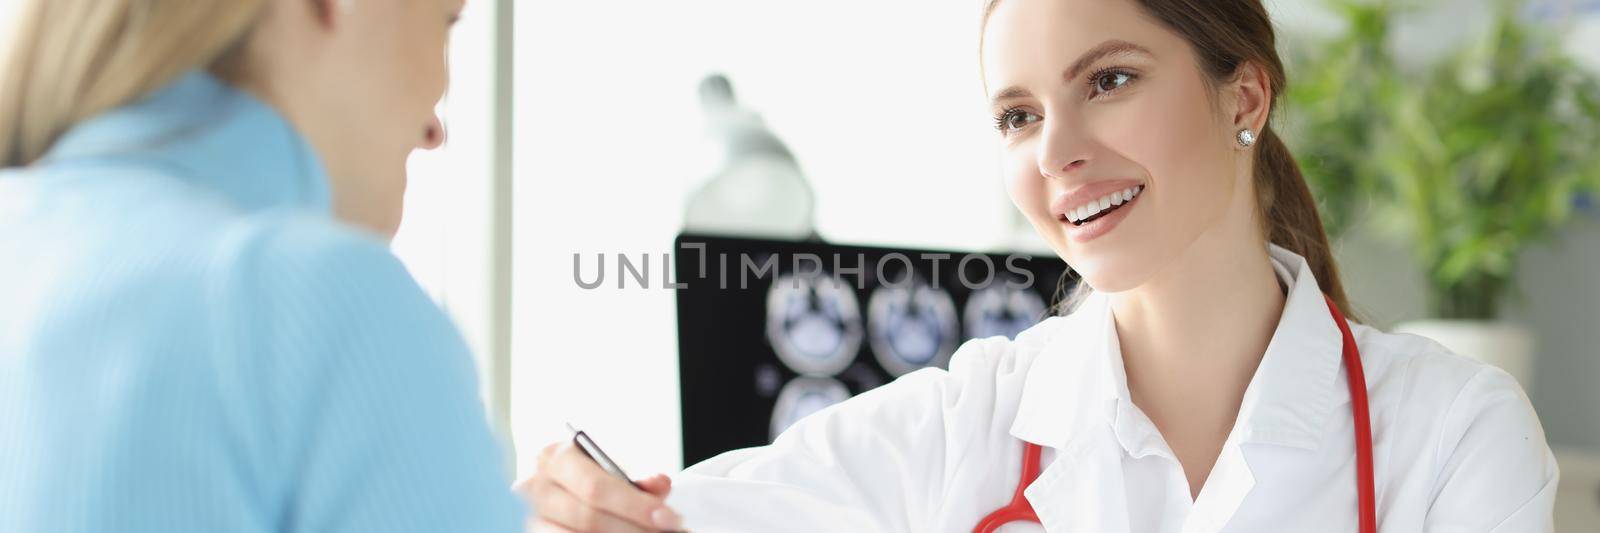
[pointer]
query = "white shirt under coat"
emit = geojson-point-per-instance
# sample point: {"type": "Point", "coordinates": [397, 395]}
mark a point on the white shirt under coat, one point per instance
{"type": "Point", "coordinates": [1457, 446]}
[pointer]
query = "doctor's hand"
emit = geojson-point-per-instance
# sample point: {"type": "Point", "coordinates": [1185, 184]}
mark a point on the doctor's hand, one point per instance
{"type": "Point", "coordinates": [569, 492]}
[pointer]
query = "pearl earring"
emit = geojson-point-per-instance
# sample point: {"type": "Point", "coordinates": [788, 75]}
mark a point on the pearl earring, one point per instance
{"type": "Point", "coordinates": [1246, 137]}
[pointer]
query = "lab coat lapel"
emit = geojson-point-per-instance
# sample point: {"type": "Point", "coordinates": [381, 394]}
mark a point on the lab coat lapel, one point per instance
{"type": "Point", "coordinates": [1297, 386]}
{"type": "Point", "coordinates": [1081, 488]}
{"type": "Point", "coordinates": [1065, 389]}
{"type": "Point", "coordinates": [1287, 402]}
{"type": "Point", "coordinates": [1229, 484]}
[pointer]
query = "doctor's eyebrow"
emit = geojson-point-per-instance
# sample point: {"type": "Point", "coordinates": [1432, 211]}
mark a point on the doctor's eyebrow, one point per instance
{"type": "Point", "coordinates": [1108, 48]}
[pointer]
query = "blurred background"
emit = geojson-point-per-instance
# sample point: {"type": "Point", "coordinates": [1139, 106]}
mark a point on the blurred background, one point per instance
{"type": "Point", "coordinates": [1453, 144]}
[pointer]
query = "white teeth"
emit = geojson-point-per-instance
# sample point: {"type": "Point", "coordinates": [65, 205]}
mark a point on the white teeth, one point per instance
{"type": "Point", "coordinates": [1094, 207]}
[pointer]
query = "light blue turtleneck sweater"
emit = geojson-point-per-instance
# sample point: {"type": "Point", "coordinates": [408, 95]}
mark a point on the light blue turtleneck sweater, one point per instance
{"type": "Point", "coordinates": [189, 342]}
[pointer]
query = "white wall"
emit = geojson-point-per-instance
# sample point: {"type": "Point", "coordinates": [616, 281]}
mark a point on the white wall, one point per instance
{"type": "Point", "coordinates": [879, 100]}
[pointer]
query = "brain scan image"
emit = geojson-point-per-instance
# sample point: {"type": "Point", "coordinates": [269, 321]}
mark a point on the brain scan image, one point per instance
{"type": "Point", "coordinates": [803, 396]}
{"type": "Point", "coordinates": [1001, 310]}
{"type": "Point", "coordinates": [912, 325]}
{"type": "Point", "coordinates": [813, 323]}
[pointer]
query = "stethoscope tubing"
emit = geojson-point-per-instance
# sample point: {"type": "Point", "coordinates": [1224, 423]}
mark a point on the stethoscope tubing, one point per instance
{"type": "Point", "coordinates": [1019, 510]}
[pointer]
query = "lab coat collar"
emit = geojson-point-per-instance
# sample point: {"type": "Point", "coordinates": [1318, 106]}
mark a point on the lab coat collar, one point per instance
{"type": "Point", "coordinates": [206, 131]}
{"type": "Point", "coordinates": [1297, 386]}
{"type": "Point", "coordinates": [1287, 402]}
{"type": "Point", "coordinates": [1071, 369]}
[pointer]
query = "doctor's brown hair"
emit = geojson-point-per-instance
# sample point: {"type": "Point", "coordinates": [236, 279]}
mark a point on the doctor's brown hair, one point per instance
{"type": "Point", "coordinates": [1225, 35]}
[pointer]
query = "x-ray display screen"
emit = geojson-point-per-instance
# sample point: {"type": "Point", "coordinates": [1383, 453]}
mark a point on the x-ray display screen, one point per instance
{"type": "Point", "coordinates": [772, 331]}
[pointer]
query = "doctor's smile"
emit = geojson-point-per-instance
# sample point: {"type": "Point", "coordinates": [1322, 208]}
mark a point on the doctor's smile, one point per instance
{"type": "Point", "coordinates": [1091, 211]}
{"type": "Point", "coordinates": [248, 282]}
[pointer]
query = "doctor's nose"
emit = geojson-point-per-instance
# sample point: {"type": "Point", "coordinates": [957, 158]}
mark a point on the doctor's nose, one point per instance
{"type": "Point", "coordinates": [433, 136]}
{"type": "Point", "coordinates": [1062, 151]}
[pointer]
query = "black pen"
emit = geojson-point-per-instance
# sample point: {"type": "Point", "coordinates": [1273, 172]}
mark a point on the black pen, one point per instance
{"type": "Point", "coordinates": [593, 450]}
{"type": "Point", "coordinates": [589, 448]}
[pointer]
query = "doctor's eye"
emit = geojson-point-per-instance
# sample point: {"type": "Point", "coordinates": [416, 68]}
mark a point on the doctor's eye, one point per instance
{"type": "Point", "coordinates": [1013, 119]}
{"type": "Point", "coordinates": [1108, 80]}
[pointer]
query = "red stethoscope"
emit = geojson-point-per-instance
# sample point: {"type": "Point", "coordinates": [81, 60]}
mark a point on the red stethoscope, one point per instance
{"type": "Point", "coordinates": [1020, 511]}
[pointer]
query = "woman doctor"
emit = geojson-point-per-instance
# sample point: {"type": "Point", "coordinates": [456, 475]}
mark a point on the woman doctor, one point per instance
{"type": "Point", "coordinates": [1202, 386]}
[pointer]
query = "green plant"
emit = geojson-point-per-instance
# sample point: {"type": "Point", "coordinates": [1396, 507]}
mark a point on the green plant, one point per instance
{"type": "Point", "coordinates": [1484, 155]}
{"type": "Point", "coordinates": [1329, 114]}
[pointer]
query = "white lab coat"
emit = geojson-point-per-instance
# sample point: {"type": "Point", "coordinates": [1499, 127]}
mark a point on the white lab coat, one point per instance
{"type": "Point", "coordinates": [1457, 446]}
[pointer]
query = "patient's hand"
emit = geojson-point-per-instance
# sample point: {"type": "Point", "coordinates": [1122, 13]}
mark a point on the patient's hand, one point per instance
{"type": "Point", "coordinates": [569, 492]}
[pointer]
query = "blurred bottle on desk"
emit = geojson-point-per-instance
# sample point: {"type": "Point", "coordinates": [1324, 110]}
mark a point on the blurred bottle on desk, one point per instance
{"type": "Point", "coordinates": [757, 189]}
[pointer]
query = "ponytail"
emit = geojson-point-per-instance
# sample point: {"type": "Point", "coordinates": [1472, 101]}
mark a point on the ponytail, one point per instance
{"type": "Point", "coordinates": [1290, 214]}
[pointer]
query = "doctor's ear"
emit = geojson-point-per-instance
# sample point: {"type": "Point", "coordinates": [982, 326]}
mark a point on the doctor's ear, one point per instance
{"type": "Point", "coordinates": [1248, 98]}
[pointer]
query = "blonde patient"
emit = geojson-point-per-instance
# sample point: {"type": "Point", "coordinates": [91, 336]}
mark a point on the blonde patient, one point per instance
{"type": "Point", "coordinates": [204, 329]}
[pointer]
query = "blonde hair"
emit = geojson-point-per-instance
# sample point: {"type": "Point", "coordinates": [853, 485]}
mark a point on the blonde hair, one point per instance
{"type": "Point", "coordinates": [69, 60]}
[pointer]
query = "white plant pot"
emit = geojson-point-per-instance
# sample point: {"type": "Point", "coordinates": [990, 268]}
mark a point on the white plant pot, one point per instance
{"type": "Point", "coordinates": [1508, 346]}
